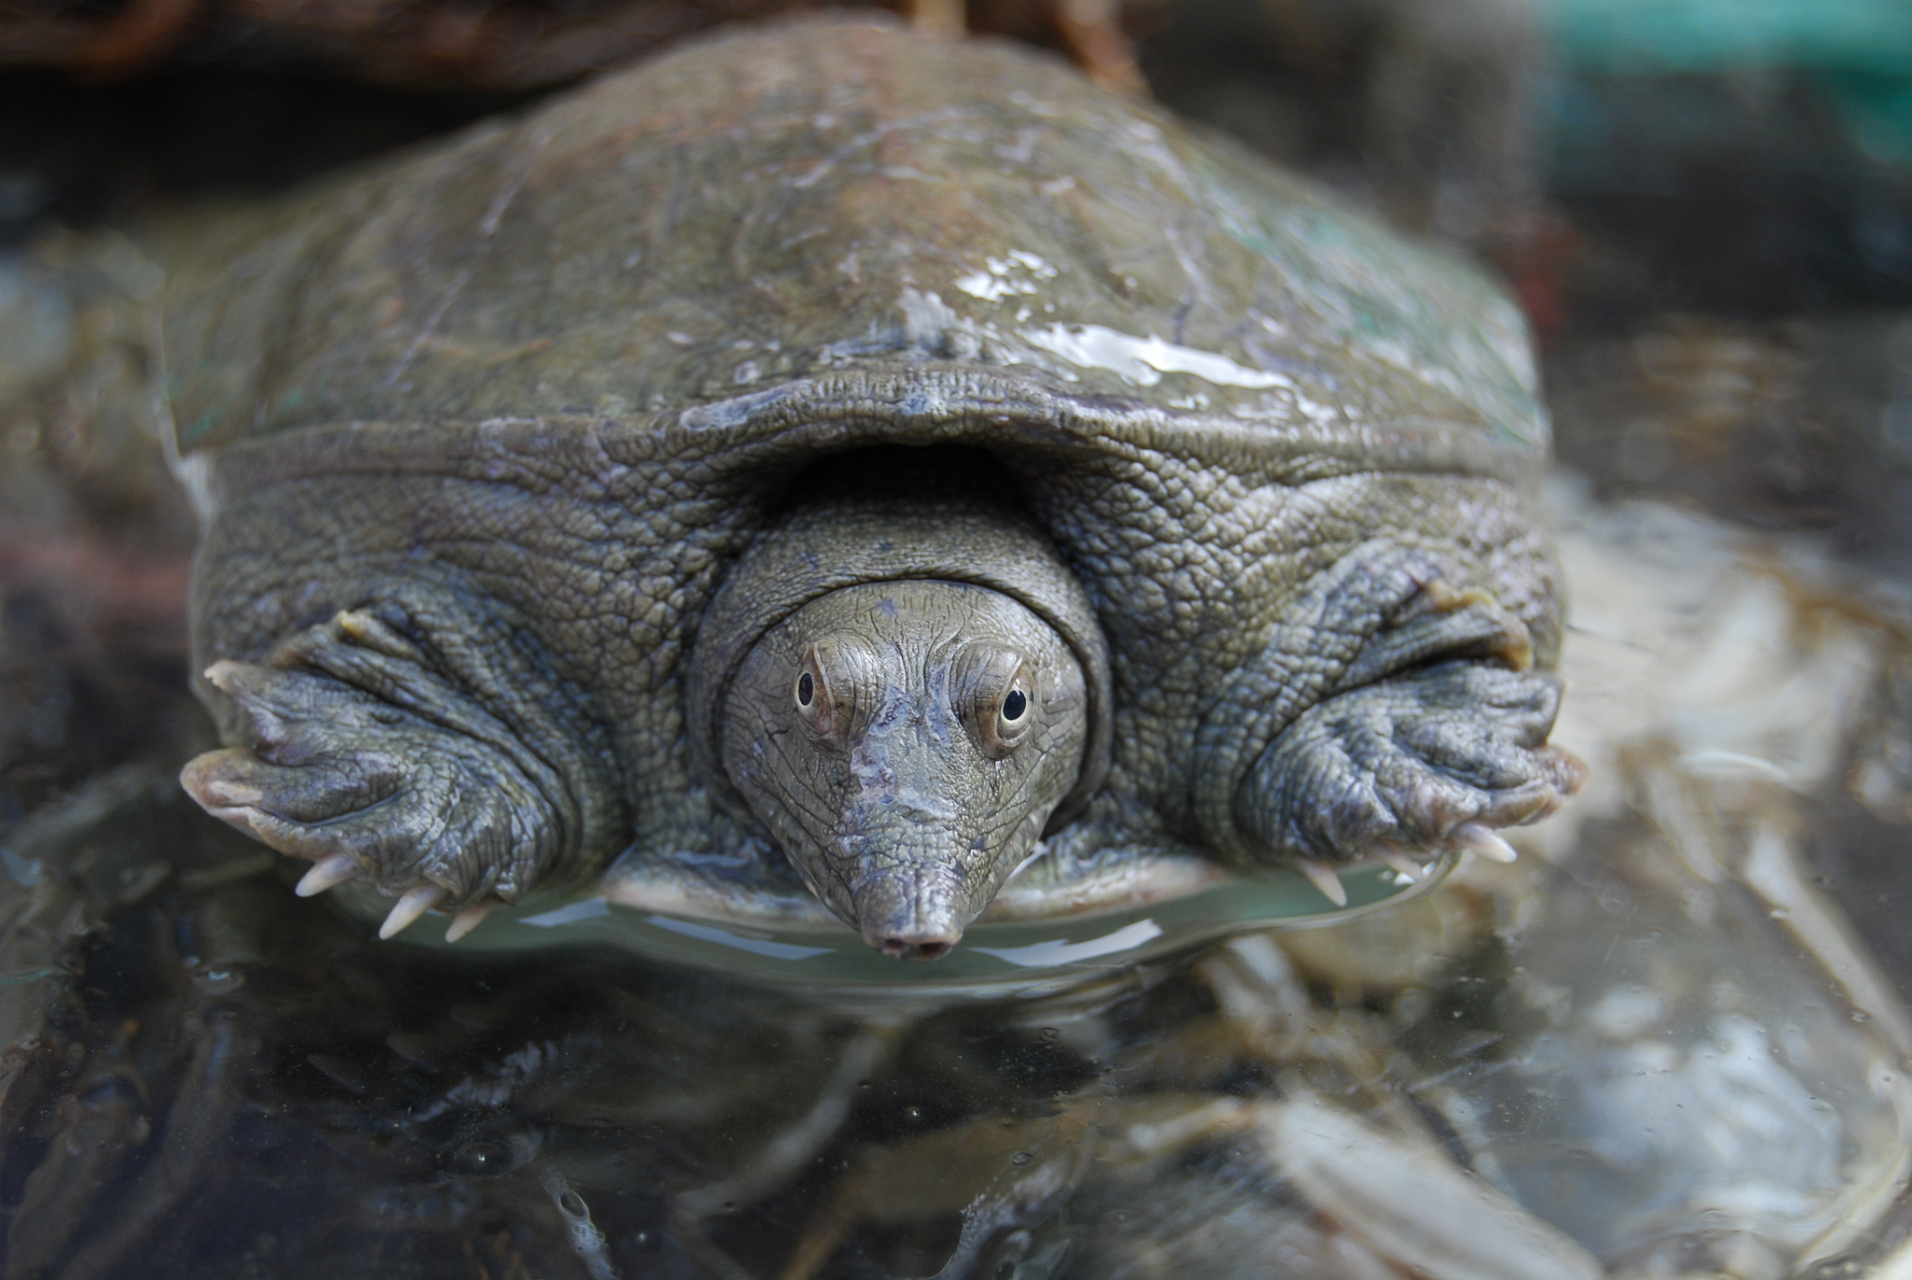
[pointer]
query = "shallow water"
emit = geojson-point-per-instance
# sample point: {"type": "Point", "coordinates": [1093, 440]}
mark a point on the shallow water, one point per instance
{"type": "Point", "coordinates": [1671, 1040]}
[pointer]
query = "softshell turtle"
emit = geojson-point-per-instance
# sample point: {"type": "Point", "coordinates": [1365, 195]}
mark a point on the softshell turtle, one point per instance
{"type": "Point", "coordinates": [831, 466]}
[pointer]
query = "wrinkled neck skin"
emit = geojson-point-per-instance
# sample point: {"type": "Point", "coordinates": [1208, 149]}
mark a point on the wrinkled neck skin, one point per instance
{"type": "Point", "coordinates": [905, 742]}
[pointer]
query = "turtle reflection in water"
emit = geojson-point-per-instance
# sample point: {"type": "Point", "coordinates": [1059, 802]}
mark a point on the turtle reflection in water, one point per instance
{"type": "Point", "coordinates": [1616, 1057]}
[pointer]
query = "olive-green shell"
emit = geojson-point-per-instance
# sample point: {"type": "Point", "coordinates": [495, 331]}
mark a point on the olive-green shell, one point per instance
{"type": "Point", "coordinates": [729, 221]}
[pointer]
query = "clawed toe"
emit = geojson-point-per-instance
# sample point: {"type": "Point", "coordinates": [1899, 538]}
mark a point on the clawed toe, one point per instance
{"type": "Point", "coordinates": [212, 780]}
{"type": "Point", "coordinates": [1399, 860]}
{"type": "Point", "coordinates": [326, 873]}
{"type": "Point", "coordinates": [469, 918]}
{"type": "Point", "coordinates": [1476, 837]}
{"type": "Point", "coordinates": [1322, 876]}
{"type": "Point", "coordinates": [1466, 837]}
{"type": "Point", "coordinates": [411, 904]}
{"type": "Point", "coordinates": [414, 903]}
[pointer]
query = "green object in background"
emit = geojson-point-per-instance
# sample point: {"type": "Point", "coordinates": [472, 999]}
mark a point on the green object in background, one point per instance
{"type": "Point", "coordinates": [1858, 52]}
{"type": "Point", "coordinates": [1877, 108]}
{"type": "Point", "coordinates": [1718, 35]}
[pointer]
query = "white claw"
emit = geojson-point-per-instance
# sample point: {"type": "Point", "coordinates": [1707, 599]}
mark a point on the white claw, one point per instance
{"type": "Point", "coordinates": [325, 873]}
{"type": "Point", "coordinates": [1483, 840]}
{"type": "Point", "coordinates": [468, 919]}
{"type": "Point", "coordinates": [413, 904]}
{"type": "Point", "coordinates": [1396, 857]}
{"type": "Point", "coordinates": [1322, 876]}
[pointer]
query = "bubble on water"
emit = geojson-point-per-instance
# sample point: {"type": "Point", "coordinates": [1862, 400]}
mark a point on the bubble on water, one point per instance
{"type": "Point", "coordinates": [217, 978]}
{"type": "Point", "coordinates": [482, 1159]}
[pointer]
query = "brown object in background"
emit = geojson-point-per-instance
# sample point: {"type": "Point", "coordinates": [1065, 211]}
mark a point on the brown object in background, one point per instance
{"type": "Point", "coordinates": [490, 44]}
{"type": "Point", "coordinates": [506, 45]}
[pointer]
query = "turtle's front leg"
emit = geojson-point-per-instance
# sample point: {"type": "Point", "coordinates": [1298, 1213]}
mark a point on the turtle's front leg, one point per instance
{"type": "Point", "coordinates": [418, 743]}
{"type": "Point", "coordinates": [1408, 764]}
{"type": "Point", "coordinates": [1397, 714]}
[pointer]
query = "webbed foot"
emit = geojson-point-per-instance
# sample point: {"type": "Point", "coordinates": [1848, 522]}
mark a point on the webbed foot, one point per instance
{"type": "Point", "coordinates": [364, 750]}
{"type": "Point", "coordinates": [1410, 765]}
{"type": "Point", "coordinates": [1393, 715]}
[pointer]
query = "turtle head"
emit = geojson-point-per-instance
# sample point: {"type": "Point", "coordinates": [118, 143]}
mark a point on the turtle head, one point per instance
{"type": "Point", "coordinates": [905, 693]}
{"type": "Point", "coordinates": [906, 742]}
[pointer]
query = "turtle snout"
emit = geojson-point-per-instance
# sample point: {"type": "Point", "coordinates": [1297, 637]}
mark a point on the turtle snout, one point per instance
{"type": "Point", "coordinates": [912, 912]}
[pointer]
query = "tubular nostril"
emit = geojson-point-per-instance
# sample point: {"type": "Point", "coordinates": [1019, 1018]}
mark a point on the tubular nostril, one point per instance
{"type": "Point", "coordinates": [901, 949]}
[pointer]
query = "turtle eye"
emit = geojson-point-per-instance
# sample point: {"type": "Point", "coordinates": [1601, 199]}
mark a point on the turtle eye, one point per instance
{"type": "Point", "coordinates": [996, 689]}
{"type": "Point", "coordinates": [1006, 717]}
{"type": "Point", "coordinates": [811, 692]}
{"type": "Point", "coordinates": [833, 680]}
{"type": "Point", "coordinates": [1012, 712]}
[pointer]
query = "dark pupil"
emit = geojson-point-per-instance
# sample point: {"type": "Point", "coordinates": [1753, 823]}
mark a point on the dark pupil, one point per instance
{"type": "Point", "coordinates": [806, 688]}
{"type": "Point", "coordinates": [1014, 705]}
